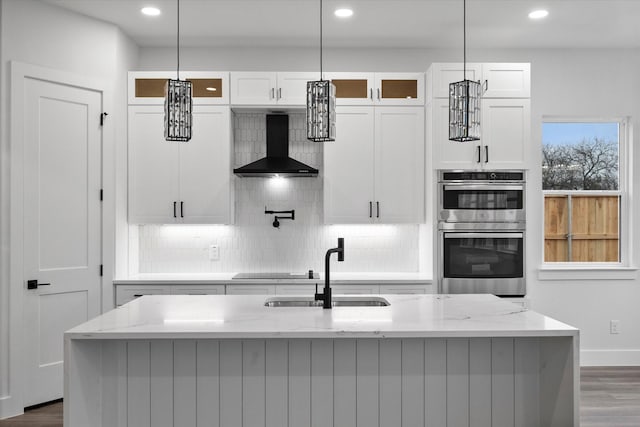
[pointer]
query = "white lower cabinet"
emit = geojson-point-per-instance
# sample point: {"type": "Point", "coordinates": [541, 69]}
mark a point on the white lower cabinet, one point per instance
{"type": "Point", "coordinates": [374, 171]}
{"type": "Point", "coordinates": [251, 289]}
{"type": "Point", "coordinates": [299, 289]}
{"type": "Point", "coordinates": [406, 289]}
{"type": "Point", "coordinates": [197, 290]}
{"type": "Point", "coordinates": [354, 289]}
{"type": "Point", "coordinates": [126, 293]}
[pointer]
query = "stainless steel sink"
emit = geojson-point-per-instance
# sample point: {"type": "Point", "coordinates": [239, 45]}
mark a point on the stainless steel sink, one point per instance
{"type": "Point", "coordinates": [338, 301]}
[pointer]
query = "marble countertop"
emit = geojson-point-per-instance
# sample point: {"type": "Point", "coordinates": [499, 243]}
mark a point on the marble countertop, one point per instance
{"type": "Point", "coordinates": [245, 316]}
{"type": "Point", "coordinates": [225, 278]}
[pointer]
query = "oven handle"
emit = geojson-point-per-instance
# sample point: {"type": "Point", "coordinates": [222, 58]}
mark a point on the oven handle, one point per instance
{"type": "Point", "coordinates": [482, 187]}
{"type": "Point", "coordinates": [455, 235]}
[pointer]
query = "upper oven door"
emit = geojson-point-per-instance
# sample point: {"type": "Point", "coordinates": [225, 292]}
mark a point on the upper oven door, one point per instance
{"type": "Point", "coordinates": [466, 202]}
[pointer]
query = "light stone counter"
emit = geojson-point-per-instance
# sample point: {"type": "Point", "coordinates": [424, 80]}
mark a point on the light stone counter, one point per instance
{"type": "Point", "coordinates": [453, 361]}
{"type": "Point", "coordinates": [245, 316]}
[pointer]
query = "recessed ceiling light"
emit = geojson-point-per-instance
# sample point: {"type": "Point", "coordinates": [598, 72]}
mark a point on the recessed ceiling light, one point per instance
{"type": "Point", "coordinates": [538, 14]}
{"type": "Point", "coordinates": [343, 13]}
{"type": "Point", "coordinates": [150, 11]}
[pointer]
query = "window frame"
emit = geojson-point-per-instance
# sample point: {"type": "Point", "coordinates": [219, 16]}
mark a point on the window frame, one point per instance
{"type": "Point", "coordinates": [625, 208]}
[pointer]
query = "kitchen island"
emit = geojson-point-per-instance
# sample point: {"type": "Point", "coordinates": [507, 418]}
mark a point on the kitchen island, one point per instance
{"type": "Point", "coordinates": [424, 360]}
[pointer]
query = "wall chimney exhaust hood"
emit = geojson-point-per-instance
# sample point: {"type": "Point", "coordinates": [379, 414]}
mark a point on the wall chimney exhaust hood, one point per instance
{"type": "Point", "coordinates": [277, 162]}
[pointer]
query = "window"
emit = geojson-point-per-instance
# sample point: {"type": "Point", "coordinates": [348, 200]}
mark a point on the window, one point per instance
{"type": "Point", "coordinates": [583, 183]}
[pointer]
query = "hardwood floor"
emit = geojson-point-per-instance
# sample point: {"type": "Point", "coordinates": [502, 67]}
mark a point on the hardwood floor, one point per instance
{"type": "Point", "coordinates": [609, 397]}
{"type": "Point", "coordinates": [45, 416]}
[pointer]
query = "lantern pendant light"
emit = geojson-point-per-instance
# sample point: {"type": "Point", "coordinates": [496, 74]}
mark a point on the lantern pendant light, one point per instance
{"type": "Point", "coordinates": [464, 100]}
{"type": "Point", "coordinates": [178, 102]}
{"type": "Point", "coordinates": [321, 105]}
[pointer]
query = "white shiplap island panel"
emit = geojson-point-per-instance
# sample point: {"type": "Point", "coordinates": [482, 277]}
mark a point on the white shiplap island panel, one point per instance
{"type": "Point", "coordinates": [340, 367]}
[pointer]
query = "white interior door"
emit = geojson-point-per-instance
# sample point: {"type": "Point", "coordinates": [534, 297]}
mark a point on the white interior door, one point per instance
{"type": "Point", "coordinates": [62, 231]}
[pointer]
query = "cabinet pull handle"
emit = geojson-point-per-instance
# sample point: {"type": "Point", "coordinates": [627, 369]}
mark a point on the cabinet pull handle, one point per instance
{"type": "Point", "coordinates": [273, 93]}
{"type": "Point", "coordinates": [181, 209]}
{"type": "Point", "coordinates": [370, 209]}
{"type": "Point", "coordinates": [137, 295]}
{"type": "Point", "coordinates": [486, 154]}
{"type": "Point", "coordinates": [174, 209]}
{"type": "Point", "coordinates": [279, 93]}
{"type": "Point", "coordinates": [486, 86]}
{"type": "Point", "coordinates": [371, 93]}
{"type": "Point", "coordinates": [478, 147]}
{"type": "Point", "coordinates": [378, 94]}
{"type": "Point", "coordinates": [377, 209]}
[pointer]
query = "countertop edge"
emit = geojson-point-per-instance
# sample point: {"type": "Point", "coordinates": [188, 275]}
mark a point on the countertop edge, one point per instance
{"type": "Point", "coordinates": [320, 335]}
{"type": "Point", "coordinates": [310, 282]}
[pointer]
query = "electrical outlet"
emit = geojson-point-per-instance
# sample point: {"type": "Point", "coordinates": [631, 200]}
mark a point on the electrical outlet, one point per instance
{"type": "Point", "coordinates": [214, 252]}
{"type": "Point", "coordinates": [614, 326]}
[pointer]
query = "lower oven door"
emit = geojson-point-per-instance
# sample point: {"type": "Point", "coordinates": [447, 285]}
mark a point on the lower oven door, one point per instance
{"type": "Point", "coordinates": [482, 262]}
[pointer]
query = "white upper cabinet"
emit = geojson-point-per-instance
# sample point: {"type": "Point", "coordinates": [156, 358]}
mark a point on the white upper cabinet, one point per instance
{"type": "Point", "coordinates": [187, 182]}
{"type": "Point", "coordinates": [440, 75]}
{"type": "Point", "coordinates": [449, 154]}
{"type": "Point", "coordinates": [378, 88]}
{"type": "Point", "coordinates": [399, 164]}
{"type": "Point", "coordinates": [270, 88]}
{"type": "Point", "coordinates": [349, 168]}
{"type": "Point", "coordinates": [506, 131]}
{"type": "Point", "coordinates": [507, 80]}
{"type": "Point", "coordinates": [209, 88]}
{"type": "Point", "coordinates": [505, 118]}
{"type": "Point", "coordinates": [374, 171]}
{"type": "Point", "coordinates": [501, 80]}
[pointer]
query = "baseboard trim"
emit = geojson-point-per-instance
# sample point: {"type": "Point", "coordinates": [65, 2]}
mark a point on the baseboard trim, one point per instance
{"type": "Point", "coordinates": [618, 357]}
{"type": "Point", "coordinates": [8, 407]}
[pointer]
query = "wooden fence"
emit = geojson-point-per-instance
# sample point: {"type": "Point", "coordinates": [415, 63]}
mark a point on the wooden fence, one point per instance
{"type": "Point", "coordinates": [581, 228]}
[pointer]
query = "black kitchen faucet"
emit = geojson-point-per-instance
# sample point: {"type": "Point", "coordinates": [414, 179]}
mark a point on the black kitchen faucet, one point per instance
{"type": "Point", "coordinates": [325, 296]}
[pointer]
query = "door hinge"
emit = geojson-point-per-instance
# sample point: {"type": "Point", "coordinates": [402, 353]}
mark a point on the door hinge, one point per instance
{"type": "Point", "coordinates": [101, 194]}
{"type": "Point", "coordinates": [102, 117]}
{"type": "Point", "coordinates": [101, 269]}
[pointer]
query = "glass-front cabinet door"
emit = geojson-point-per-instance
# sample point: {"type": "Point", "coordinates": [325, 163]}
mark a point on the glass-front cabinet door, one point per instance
{"type": "Point", "coordinates": [147, 87]}
{"type": "Point", "coordinates": [353, 88]}
{"type": "Point", "coordinates": [399, 88]}
{"type": "Point", "coordinates": [378, 88]}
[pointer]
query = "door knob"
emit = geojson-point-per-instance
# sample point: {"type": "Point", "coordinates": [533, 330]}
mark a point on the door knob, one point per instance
{"type": "Point", "coordinates": [33, 284]}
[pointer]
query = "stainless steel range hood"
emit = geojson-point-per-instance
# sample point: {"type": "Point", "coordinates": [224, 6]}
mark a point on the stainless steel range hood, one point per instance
{"type": "Point", "coordinates": [277, 162]}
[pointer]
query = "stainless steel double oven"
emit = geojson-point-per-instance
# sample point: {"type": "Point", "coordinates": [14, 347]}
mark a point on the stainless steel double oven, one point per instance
{"type": "Point", "coordinates": [481, 232]}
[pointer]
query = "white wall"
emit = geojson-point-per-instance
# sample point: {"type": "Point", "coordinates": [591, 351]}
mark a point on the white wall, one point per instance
{"type": "Point", "coordinates": [580, 82]}
{"type": "Point", "coordinates": [40, 34]}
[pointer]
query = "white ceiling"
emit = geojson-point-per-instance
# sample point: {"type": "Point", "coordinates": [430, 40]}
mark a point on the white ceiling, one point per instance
{"type": "Point", "coordinates": [375, 23]}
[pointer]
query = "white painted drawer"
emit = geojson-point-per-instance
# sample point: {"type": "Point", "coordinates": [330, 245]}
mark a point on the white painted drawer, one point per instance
{"type": "Point", "coordinates": [126, 293]}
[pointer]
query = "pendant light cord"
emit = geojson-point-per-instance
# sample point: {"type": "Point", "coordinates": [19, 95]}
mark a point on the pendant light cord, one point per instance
{"type": "Point", "coordinates": [464, 39]}
{"type": "Point", "coordinates": [320, 40]}
{"type": "Point", "coordinates": [178, 42]}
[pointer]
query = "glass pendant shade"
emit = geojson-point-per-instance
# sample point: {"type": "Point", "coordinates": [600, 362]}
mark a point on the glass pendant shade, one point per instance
{"type": "Point", "coordinates": [464, 111]}
{"type": "Point", "coordinates": [321, 111]}
{"type": "Point", "coordinates": [178, 105]}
